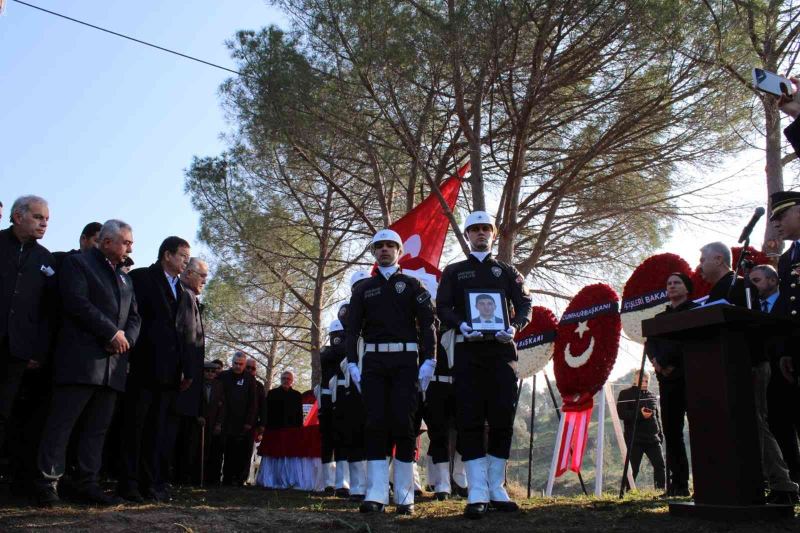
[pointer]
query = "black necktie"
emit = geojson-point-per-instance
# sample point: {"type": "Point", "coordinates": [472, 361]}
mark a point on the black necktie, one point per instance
{"type": "Point", "coordinates": [794, 253]}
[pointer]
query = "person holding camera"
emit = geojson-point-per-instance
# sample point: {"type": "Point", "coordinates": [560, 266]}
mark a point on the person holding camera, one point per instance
{"type": "Point", "coordinates": [649, 435]}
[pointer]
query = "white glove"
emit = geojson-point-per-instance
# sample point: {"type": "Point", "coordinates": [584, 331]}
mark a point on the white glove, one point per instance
{"type": "Point", "coordinates": [507, 335]}
{"type": "Point", "coordinates": [355, 375]}
{"type": "Point", "coordinates": [469, 333]}
{"type": "Point", "coordinates": [426, 371]}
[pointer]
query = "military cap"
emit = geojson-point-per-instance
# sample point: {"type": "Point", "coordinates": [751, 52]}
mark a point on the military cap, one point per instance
{"type": "Point", "coordinates": [781, 201]}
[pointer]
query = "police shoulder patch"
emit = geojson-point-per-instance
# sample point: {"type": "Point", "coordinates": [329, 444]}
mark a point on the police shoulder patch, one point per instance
{"type": "Point", "coordinates": [400, 286]}
{"type": "Point", "coordinates": [497, 271]}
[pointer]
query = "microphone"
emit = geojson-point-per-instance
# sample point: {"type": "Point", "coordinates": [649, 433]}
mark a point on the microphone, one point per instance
{"type": "Point", "coordinates": [748, 229]}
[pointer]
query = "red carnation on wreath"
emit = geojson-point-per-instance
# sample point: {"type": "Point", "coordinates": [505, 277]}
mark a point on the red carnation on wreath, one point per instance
{"type": "Point", "coordinates": [535, 342]}
{"type": "Point", "coordinates": [702, 287]}
{"type": "Point", "coordinates": [645, 292]}
{"type": "Point", "coordinates": [587, 341]}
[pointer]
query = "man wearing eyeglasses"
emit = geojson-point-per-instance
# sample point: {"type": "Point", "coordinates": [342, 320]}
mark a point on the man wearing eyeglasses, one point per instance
{"type": "Point", "coordinates": [162, 364]}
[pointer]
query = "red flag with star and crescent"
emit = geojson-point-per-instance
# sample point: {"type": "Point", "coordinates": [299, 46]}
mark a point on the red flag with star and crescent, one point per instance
{"type": "Point", "coordinates": [587, 341]}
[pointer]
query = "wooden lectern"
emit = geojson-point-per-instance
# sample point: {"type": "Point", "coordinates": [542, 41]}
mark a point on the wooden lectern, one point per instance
{"type": "Point", "coordinates": [726, 458]}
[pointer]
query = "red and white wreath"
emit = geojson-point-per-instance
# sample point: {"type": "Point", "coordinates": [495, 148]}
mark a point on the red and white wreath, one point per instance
{"type": "Point", "coordinates": [587, 340]}
{"type": "Point", "coordinates": [645, 293]}
{"type": "Point", "coordinates": [535, 342]}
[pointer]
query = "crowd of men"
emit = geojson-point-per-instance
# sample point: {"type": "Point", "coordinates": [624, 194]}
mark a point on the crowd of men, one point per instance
{"type": "Point", "coordinates": [102, 370]}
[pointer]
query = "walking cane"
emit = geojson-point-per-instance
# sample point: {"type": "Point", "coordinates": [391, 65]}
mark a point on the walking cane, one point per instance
{"type": "Point", "coordinates": [202, 455]}
{"type": "Point", "coordinates": [633, 431]}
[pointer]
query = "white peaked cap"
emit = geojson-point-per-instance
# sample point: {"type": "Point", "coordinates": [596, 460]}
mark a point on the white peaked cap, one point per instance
{"type": "Point", "coordinates": [335, 326]}
{"type": "Point", "coordinates": [479, 217]}
{"type": "Point", "coordinates": [356, 277]}
{"type": "Point", "coordinates": [388, 235]}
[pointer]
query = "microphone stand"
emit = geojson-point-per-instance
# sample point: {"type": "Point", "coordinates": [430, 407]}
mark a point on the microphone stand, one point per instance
{"type": "Point", "coordinates": [746, 278]}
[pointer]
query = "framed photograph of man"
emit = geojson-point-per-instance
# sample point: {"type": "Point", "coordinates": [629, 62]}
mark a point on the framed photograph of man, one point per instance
{"type": "Point", "coordinates": [487, 310]}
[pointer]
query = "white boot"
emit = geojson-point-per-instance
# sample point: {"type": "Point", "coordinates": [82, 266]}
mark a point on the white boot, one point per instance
{"type": "Point", "coordinates": [377, 482]}
{"type": "Point", "coordinates": [358, 478]}
{"type": "Point", "coordinates": [328, 475]}
{"type": "Point", "coordinates": [431, 472]}
{"type": "Point", "coordinates": [342, 475]}
{"type": "Point", "coordinates": [459, 472]}
{"type": "Point", "coordinates": [442, 476]}
{"type": "Point", "coordinates": [497, 478]}
{"type": "Point", "coordinates": [403, 483]}
{"type": "Point", "coordinates": [477, 478]}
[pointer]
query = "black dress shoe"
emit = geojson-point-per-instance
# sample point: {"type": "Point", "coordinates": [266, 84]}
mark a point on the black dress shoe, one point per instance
{"type": "Point", "coordinates": [370, 507]}
{"type": "Point", "coordinates": [95, 496]}
{"type": "Point", "coordinates": [329, 491]}
{"type": "Point", "coordinates": [356, 497]}
{"type": "Point", "coordinates": [475, 510]}
{"type": "Point", "coordinates": [442, 496]}
{"type": "Point", "coordinates": [156, 495]}
{"type": "Point", "coordinates": [132, 495]}
{"type": "Point", "coordinates": [459, 491]}
{"type": "Point", "coordinates": [46, 496]}
{"type": "Point", "coordinates": [782, 497]}
{"type": "Point", "coordinates": [503, 507]}
{"type": "Point", "coordinates": [417, 493]}
{"type": "Point", "coordinates": [342, 493]}
{"type": "Point", "coordinates": [405, 509]}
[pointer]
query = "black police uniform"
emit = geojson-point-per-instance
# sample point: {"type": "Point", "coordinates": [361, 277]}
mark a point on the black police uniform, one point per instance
{"type": "Point", "coordinates": [349, 411]}
{"type": "Point", "coordinates": [330, 358]}
{"type": "Point", "coordinates": [387, 311]}
{"type": "Point", "coordinates": [439, 410]}
{"type": "Point", "coordinates": [485, 383]}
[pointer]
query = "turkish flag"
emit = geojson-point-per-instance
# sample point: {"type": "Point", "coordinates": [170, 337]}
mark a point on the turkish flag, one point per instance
{"type": "Point", "coordinates": [424, 228]}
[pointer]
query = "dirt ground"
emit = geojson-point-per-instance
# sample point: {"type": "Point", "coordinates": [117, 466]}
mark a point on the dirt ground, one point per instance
{"type": "Point", "coordinates": [255, 509]}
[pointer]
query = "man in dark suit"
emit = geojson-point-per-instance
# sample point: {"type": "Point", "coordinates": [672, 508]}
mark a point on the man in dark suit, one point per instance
{"type": "Point", "coordinates": [184, 419]}
{"type": "Point", "coordinates": [100, 324]}
{"type": "Point", "coordinates": [214, 409]}
{"type": "Point", "coordinates": [162, 364]}
{"type": "Point", "coordinates": [251, 367]}
{"type": "Point", "coordinates": [27, 299]}
{"type": "Point", "coordinates": [782, 397]}
{"type": "Point", "coordinates": [241, 404]}
{"type": "Point", "coordinates": [88, 240]}
{"type": "Point", "coordinates": [486, 307]}
{"type": "Point", "coordinates": [715, 268]}
{"type": "Point", "coordinates": [284, 405]}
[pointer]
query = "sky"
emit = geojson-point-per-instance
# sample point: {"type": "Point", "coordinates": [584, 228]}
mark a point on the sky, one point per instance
{"type": "Point", "coordinates": [104, 128]}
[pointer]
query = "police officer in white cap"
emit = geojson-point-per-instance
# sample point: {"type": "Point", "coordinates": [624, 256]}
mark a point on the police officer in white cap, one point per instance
{"type": "Point", "coordinates": [393, 312]}
{"type": "Point", "coordinates": [484, 370]}
{"type": "Point", "coordinates": [330, 358]}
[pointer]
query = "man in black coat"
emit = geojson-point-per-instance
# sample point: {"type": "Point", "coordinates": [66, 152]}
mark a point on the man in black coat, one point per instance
{"type": "Point", "coordinates": [27, 299]}
{"type": "Point", "coordinates": [284, 404]}
{"type": "Point", "coordinates": [100, 324]}
{"type": "Point", "coordinates": [88, 240]}
{"type": "Point", "coordinates": [241, 404]}
{"type": "Point", "coordinates": [184, 422]}
{"type": "Point", "coordinates": [649, 434]}
{"type": "Point", "coordinates": [162, 364]}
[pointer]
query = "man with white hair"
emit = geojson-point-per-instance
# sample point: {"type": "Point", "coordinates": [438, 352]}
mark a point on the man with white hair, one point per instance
{"type": "Point", "coordinates": [715, 268]}
{"type": "Point", "coordinates": [27, 299]}
{"type": "Point", "coordinates": [284, 404]}
{"type": "Point", "coordinates": [100, 325]}
{"type": "Point", "coordinates": [393, 312]}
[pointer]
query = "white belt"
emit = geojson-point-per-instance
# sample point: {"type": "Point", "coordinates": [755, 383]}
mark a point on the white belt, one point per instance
{"type": "Point", "coordinates": [443, 379]}
{"type": "Point", "coordinates": [391, 347]}
{"type": "Point", "coordinates": [459, 338]}
{"type": "Point", "coordinates": [324, 392]}
{"type": "Point", "coordinates": [341, 382]}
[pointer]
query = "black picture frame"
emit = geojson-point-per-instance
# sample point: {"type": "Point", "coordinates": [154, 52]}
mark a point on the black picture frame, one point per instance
{"type": "Point", "coordinates": [500, 313]}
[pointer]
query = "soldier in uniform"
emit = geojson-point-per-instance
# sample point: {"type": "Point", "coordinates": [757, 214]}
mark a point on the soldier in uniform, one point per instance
{"type": "Point", "coordinates": [485, 365]}
{"type": "Point", "coordinates": [392, 311]}
{"type": "Point", "coordinates": [785, 217]}
{"type": "Point", "coordinates": [330, 360]}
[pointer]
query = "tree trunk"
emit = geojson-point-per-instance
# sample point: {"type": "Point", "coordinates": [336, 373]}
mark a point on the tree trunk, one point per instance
{"type": "Point", "coordinates": [774, 169]}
